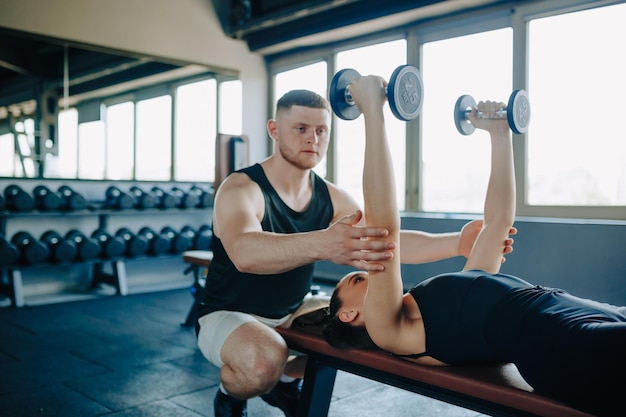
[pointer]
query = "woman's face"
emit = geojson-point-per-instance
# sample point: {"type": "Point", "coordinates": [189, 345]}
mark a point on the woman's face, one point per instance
{"type": "Point", "coordinates": [351, 290]}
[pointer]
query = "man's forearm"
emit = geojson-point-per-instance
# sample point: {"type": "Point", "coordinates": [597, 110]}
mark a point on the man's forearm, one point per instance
{"type": "Point", "coordinates": [421, 247]}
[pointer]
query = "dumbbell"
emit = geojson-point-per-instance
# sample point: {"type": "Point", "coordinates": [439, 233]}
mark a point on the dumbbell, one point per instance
{"type": "Point", "coordinates": [165, 200]}
{"type": "Point", "coordinates": [86, 247]}
{"type": "Point", "coordinates": [404, 91]}
{"type": "Point", "coordinates": [110, 246]}
{"type": "Point", "coordinates": [72, 200]}
{"type": "Point", "coordinates": [179, 242]}
{"type": "Point", "coordinates": [517, 113]}
{"type": "Point", "coordinates": [143, 200]}
{"type": "Point", "coordinates": [9, 253]}
{"type": "Point", "coordinates": [46, 199]}
{"type": "Point", "coordinates": [17, 199]}
{"type": "Point", "coordinates": [205, 198]}
{"type": "Point", "coordinates": [136, 245]}
{"type": "Point", "coordinates": [2, 202]}
{"type": "Point", "coordinates": [61, 249]}
{"type": "Point", "coordinates": [31, 250]}
{"type": "Point", "coordinates": [200, 239]}
{"type": "Point", "coordinates": [185, 200]}
{"type": "Point", "coordinates": [118, 199]}
{"type": "Point", "coordinates": [157, 243]}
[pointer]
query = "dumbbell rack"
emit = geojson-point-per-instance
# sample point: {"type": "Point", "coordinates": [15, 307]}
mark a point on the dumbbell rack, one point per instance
{"type": "Point", "coordinates": [11, 281]}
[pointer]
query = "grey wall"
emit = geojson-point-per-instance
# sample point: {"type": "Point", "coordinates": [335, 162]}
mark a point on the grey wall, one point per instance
{"type": "Point", "coordinates": [585, 258]}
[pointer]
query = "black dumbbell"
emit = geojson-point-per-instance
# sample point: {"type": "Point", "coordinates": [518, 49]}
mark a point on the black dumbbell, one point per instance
{"type": "Point", "coordinates": [179, 242]}
{"type": "Point", "coordinates": [72, 200]}
{"type": "Point", "coordinates": [61, 249]}
{"type": "Point", "coordinates": [136, 245]}
{"type": "Point", "coordinates": [517, 113]}
{"type": "Point", "coordinates": [405, 93]}
{"type": "Point", "coordinates": [205, 198]}
{"type": "Point", "coordinates": [118, 199]}
{"type": "Point", "coordinates": [86, 247]}
{"type": "Point", "coordinates": [143, 200]}
{"type": "Point", "coordinates": [110, 246]}
{"type": "Point", "coordinates": [31, 250]}
{"type": "Point", "coordinates": [46, 199]}
{"type": "Point", "coordinates": [157, 243]}
{"type": "Point", "coordinates": [165, 200]}
{"type": "Point", "coordinates": [201, 237]}
{"type": "Point", "coordinates": [17, 199]}
{"type": "Point", "coordinates": [9, 253]}
{"type": "Point", "coordinates": [185, 200]}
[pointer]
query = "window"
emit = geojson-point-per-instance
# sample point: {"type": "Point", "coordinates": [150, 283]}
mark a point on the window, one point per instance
{"type": "Point", "coordinates": [310, 77]}
{"type": "Point", "coordinates": [196, 128]}
{"type": "Point", "coordinates": [7, 155]}
{"type": "Point", "coordinates": [120, 133]}
{"type": "Point", "coordinates": [455, 168]}
{"type": "Point", "coordinates": [154, 139]}
{"type": "Point", "coordinates": [350, 135]}
{"type": "Point", "coordinates": [577, 151]}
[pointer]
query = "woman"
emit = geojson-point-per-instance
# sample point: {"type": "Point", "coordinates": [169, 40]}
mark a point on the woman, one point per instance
{"type": "Point", "coordinates": [570, 349]}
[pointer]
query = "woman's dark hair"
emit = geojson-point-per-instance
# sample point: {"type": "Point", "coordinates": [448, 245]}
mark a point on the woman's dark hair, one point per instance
{"type": "Point", "coordinates": [343, 335]}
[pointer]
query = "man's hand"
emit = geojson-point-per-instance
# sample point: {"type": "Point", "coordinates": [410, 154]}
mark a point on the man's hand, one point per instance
{"type": "Point", "coordinates": [357, 246]}
{"type": "Point", "coordinates": [470, 232]}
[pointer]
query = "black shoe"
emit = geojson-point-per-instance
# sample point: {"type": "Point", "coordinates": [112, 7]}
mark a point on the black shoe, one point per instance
{"type": "Point", "coordinates": [227, 406]}
{"type": "Point", "coordinates": [285, 395]}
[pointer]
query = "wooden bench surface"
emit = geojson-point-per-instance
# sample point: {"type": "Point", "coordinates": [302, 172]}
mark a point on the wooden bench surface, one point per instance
{"type": "Point", "coordinates": [501, 385]}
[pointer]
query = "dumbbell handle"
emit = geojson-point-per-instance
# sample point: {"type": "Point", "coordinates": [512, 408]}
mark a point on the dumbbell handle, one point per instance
{"type": "Point", "coordinates": [349, 98]}
{"type": "Point", "coordinates": [500, 114]}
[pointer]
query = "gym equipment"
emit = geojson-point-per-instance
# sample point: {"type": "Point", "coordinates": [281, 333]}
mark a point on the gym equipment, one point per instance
{"type": "Point", "coordinates": [31, 250]}
{"type": "Point", "coordinates": [61, 249]}
{"type": "Point", "coordinates": [111, 246]}
{"type": "Point", "coordinates": [72, 200]}
{"type": "Point", "coordinates": [157, 243]}
{"type": "Point", "coordinates": [46, 199]}
{"type": "Point", "coordinates": [2, 202]}
{"type": "Point", "coordinates": [17, 199]}
{"type": "Point", "coordinates": [86, 247]}
{"type": "Point", "coordinates": [9, 253]}
{"type": "Point", "coordinates": [517, 113]}
{"type": "Point", "coordinates": [135, 245]}
{"type": "Point", "coordinates": [405, 93]}
{"type": "Point", "coordinates": [165, 200]}
{"type": "Point", "coordinates": [178, 242]}
{"type": "Point", "coordinates": [118, 199]}
{"type": "Point", "coordinates": [143, 200]}
{"type": "Point", "coordinates": [200, 239]}
{"type": "Point", "coordinates": [205, 198]}
{"type": "Point", "coordinates": [185, 200]}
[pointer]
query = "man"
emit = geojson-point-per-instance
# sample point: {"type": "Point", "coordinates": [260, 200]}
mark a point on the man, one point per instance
{"type": "Point", "coordinates": [271, 222]}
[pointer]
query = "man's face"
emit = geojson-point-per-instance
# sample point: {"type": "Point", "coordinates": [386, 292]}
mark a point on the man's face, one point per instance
{"type": "Point", "coordinates": [302, 135]}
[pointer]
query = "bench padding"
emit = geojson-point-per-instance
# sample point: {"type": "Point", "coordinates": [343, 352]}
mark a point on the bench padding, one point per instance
{"type": "Point", "coordinates": [494, 390]}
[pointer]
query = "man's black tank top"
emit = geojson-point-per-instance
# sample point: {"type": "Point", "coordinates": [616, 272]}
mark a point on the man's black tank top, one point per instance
{"type": "Point", "coordinates": [271, 295]}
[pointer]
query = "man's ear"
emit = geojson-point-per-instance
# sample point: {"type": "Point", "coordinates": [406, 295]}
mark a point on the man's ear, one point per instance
{"type": "Point", "coordinates": [272, 128]}
{"type": "Point", "coordinates": [348, 316]}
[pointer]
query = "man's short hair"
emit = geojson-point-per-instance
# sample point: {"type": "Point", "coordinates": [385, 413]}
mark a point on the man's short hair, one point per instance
{"type": "Point", "coordinates": [304, 98]}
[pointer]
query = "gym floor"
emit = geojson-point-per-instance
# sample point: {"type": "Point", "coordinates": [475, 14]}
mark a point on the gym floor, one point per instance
{"type": "Point", "coordinates": [128, 356]}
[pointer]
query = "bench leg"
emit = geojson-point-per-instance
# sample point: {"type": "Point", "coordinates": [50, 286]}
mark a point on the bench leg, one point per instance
{"type": "Point", "coordinates": [317, 389]}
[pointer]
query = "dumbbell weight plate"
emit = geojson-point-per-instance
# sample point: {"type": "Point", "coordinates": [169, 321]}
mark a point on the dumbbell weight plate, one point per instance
{"type": "Point", "coordinates": [518, 112]}
{"type": "Point", "coordinates": [463, 104]}
{"type": "Point", "coordinates": [342, 106]}
{"type": "Point", "coordinates": [405, 92]}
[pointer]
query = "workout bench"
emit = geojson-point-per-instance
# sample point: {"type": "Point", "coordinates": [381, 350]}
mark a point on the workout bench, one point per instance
{"type": "Point", "coordinates": [198, 260]}
{"type": "Point", "coordinates": [494, 390]}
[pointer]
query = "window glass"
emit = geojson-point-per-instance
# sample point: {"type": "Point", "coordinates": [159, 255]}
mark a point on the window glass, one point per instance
{"type": "Point", "coordinates": [310, 77]}
{"type": "Point", "coordinates": [455, 168]}
{"type": "Point", "coordinates": [91, 150]}
{"type": "Point", "coordinates": [25, 130]}
{"type": "Point", "coordinates": [120, 144]}
{"type": "Point", "coordinates": [154, 139]}
{"type": "Point", "coordinates": [230, 109]}
{"type": "Point", "coordinates": [196, 128]}
{"type": "Point", "coordinates": [7, 155]}
{"type": "Point", "coordinates": [65, 163]}
{"type": "Point", "coordinates": [576, 146]}
{"type": "Point", "coordinates": [380, 59]}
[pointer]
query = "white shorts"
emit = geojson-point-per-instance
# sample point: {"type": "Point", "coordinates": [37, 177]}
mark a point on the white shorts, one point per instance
{"type": "Point", "coordinates": [217, 326]}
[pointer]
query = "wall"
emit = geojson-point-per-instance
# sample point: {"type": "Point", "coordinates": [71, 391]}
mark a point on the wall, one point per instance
{"type": "Point", "coordinates": [585, 258]}
{"type": "Point", "coordinates": [183, 30]}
